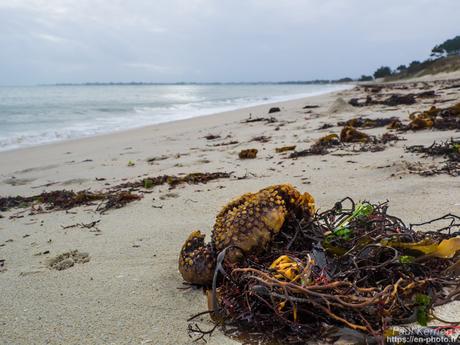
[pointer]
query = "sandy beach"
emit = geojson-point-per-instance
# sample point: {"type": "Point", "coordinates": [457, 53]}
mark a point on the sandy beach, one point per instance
{"type": "Point", "coordinates": [128, 290]}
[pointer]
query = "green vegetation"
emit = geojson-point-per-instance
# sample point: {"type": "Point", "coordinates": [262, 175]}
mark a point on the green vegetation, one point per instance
{"type": "Point", "coordinates": [382, 72]}
{"type": "Point", "coordinates": [445, 57]}
{"type": "Point", "coordinates": [448, 47]}
{"type": "Point", "coordinates": [366, 78]}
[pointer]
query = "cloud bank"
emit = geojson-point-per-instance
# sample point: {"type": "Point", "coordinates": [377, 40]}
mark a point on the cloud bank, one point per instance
{"type": "Point", "coordinates": [53, 41]}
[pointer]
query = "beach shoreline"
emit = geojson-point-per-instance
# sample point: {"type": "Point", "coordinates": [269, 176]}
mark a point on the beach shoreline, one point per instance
{"type": "Point", "coordinates": [129, 290]}
{"type": "Point", "coordinates": [156, 115]}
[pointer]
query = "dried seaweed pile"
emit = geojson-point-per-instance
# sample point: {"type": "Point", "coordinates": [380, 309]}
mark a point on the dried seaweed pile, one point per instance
{"type": "Point", "coordinates": [348, 135]}
{"type": "Point", "coordinates": [355, 269]}
{"type": "Point", "coordinates": [448, 149]}
{"type": "Point", "coordinates": [115, 197]}
{"type": "Point", "coordinates": [369, 123]}
{"type": "Point", "coordinates": [66, 199]}
{"type": "Point", "coordinates": [438, 118]}
{"type": "Point", "coordinates": [173, 180]}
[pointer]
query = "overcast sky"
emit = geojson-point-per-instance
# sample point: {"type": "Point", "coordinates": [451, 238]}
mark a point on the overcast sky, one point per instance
{"type": "Point", "coordinates": [54, 41]}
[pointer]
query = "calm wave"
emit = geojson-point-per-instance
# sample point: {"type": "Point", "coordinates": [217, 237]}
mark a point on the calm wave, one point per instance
{"type": "Point", "coordinates": [42, 114]}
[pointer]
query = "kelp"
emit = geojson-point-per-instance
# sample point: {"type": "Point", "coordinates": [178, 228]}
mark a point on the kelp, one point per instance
{"type": "Point", "coordinates": [212, 136]}
{"type": "Point", "coordinates": [285, 148]}
{"type": "Point", "coordinates": [248, 154]}
{"type": "Point", "coordinates": [261, 139]}
{"type": "Point", "coordinates": [437, 118]}
{"type": "Point", "coordinates": [66, 200]}
{"type": "Point", "coordinates": [362, 122]}
{"type": "Point", "coordinates": [251, 119]}
{"type": "Point", "coordinates": [450, 150]}
{"type": "Point", "coordinates": [393, 100]}
{"type": "Point", "coordinates": [173, 180]}
{"type": "Point", "coordinates": [348, 139]}
{"type": "Point", "coordinates": [114, 197]}
{"type": "Point", "coordinates": [353, 269]}
{"type": "Point", "coordinates": [231, 142]}
{"type": "Point", "coordinates": [352, 135]}
{"type": "Point", "coordinates": [320, 147]}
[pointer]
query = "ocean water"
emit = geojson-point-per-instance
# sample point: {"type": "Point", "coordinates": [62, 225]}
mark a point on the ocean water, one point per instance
{"type": "Point", "coordinates": [34, 115]}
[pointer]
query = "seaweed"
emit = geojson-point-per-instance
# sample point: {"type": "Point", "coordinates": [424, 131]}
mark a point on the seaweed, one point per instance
{"type": "Point", "coordinates": [232, 142]}
{"type": "Point", "coordinates": [438, 118]}
{"type": "Point", "coordinates": [325, 126]}
{"type": "Point", "coordinates": [361, 122]}
{"type": "Point", "coordinates": [285, 149]}
{"type": "Point", "coordinates": [393, 100]}
{"type": "Point", "coordinates": [352, 269]}
{"type": "Point", "coordinates": [173, 180]}
{"type": "Point", "coordinates": [251, 119]}
{"type": "Point", "coordinates": [66, 200]}
{"type": "Point", "coordinates": [211, 137]}
{"type": "Point", "coordinates": [115, 197]}
{"type": "Point", "coordinates": [320, 147]}
{"type": "Point", "coordinates": [248, 154]}
{"type": "Point", "coordinates": [274, 110]}
{"type": "Point", "coordinates": [352, 135]}
{"type": "Point", "coordinates": [450, 150]}
{"type": "Point", "coordinates": [261, 139]}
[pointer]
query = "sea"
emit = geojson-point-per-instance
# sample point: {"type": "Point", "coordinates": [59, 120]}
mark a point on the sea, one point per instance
{"type": "Point", "coordinates": [36, 115]}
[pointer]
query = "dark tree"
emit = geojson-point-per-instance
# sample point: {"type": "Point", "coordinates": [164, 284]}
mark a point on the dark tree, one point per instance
{"type": "Point", "coordinates": [447, 47]}
{"type": "Point", "coordinates": [366, 78]}
{"type": "Point", "coordinates": [414, 64]}
{"type": "Point", "coordinates": [401, 68]}
{"type": "Point", "coordinates": [382, 72]}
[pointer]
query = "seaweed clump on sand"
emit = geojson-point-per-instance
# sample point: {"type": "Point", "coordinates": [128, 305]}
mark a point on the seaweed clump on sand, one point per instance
{"type": "Point", "coordinates": [248, 154]}
{"type": "Point", "coordinates": [438, 118]}
{"type": "Point", "coordinates": [348, 135]}
{"type": "Point", "coordinates": [173, 181]}
{"type": "Point", "coordinates": [450, 150]}
{"type": "Point", "coordinates": [362, 122]}
{"type": "Point", "coordinates": [320, 147]}
{"type": "Point", "coordinates": [353, 269]}
{"type": "Point", "coordinates": [66, 200]}
{"type": "Point", "coordinates": [115, 197]}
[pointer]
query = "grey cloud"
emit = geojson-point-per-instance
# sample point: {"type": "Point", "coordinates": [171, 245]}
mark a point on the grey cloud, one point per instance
{"type": "Point", "coordinates": [48, 41]}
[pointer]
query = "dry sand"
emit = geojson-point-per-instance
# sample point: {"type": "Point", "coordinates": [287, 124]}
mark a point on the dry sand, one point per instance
{"type": "Point", "coordinates": [127, 293]}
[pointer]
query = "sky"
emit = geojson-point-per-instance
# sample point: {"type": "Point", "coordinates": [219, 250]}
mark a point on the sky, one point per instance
{"type": "Point", "coordinates": [58, 41]}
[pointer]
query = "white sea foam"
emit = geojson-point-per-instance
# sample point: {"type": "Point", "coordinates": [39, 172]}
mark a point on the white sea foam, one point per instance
{"type": "Point", "coordinates": [38, 115]}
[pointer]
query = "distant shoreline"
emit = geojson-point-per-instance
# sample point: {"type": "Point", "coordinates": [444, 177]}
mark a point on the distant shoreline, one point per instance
{"type": "Point", "coordinates": [300, 82]}
{"type": "Point", "coordinates": [133, 116]}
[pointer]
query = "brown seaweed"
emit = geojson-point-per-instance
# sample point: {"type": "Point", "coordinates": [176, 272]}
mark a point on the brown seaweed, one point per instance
{"type": "Point", "coordinates": [361, 122]}
{"type": "Point", "coordinates": [248, 154]}
{"type": "Point", "coordinates": [353, 267]}
{"type": "Point", "coordinates": [450, 150]}
{"type": "Point", "coordinates": [285, 149]}
{"type": "Point", "coordinates": [251, 119]}
{"type": "Point", "coordinates": [438, 118]}
{"type": "Point", "coordinates": [115, 197]}
{"type": "Point", "coordinates": [261, 139]}
{"type": "Point", "coordinates": [352, 135]}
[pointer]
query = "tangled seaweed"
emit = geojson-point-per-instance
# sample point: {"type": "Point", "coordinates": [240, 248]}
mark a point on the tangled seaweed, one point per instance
{"type": "Point", "coordinates": [173, 181]}
{"type": "Point", "coordinates": [363, 122]}
{"type": "Point", "coordinates": [348, 135]}
{"type": "Point", "coordinates": [438, 118]}
{"type": "Point", "coordinates": [448, 149]}
{"type": "Point", "coordinates": [351, 269]}
{"type": "Point", "coordinates": [248, 154]}
{"type": "Point", "coordinates": [116, 197]}
{"type": "Point", "coordinates": [66, 200]}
